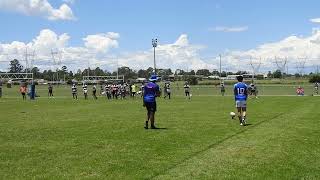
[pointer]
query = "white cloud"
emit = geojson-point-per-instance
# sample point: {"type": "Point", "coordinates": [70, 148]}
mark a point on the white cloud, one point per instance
{"type": "Point", "coordinates": [102, 42]}
{"type": "Point", "coordinates": [97, 52]}
{"type": "Point", "coordinates": [292, 48]}
{"type": "Point", "coordinates": [47, 40]}
{"type": "Point", "coordinates": [315, 20]}
{"type": "Point", "coordinates": [229, 29]}
{"type": "Point", "coordinates": [180, 54]}
{"type": "Point", "coordinates": [38, 8]}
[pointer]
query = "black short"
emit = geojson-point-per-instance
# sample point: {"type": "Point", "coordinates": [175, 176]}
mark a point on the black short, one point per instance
{"type": "Point", "coordinates": [187, 93]}
{"type": "Point", "coordinates": [151, 106]}
{"type": "Point", "coordinates": [23, 94]}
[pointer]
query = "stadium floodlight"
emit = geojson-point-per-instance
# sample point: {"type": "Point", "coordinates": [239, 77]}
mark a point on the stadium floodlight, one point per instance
{"type": "Point", "coordinates": [154, 45]}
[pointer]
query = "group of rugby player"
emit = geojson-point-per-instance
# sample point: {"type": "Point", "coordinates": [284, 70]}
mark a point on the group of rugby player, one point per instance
{"type": "Point", "coordinates": [111, 91]}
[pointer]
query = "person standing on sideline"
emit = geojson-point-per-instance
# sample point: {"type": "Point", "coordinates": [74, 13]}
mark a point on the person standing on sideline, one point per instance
{"type": "Point", "coordinates": [151, 91]}
{"type": "Point", "coordinates": [240, 95]}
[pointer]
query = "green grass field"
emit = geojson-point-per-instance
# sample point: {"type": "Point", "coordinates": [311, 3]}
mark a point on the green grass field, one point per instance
{"type": "Point", "coordinates": [62, 138]}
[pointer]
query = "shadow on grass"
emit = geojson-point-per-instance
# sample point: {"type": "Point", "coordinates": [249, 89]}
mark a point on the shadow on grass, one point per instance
{"type": "Point", "coordinates": [158, 129]}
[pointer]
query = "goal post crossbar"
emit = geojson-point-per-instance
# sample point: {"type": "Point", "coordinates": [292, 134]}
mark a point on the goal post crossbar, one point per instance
{"type": "Point", "coordinates": [103, 78]}
{"type": "Point", "coordinates": [17, 76]}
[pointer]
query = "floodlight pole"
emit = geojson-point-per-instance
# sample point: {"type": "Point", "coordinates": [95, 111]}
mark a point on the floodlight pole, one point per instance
{"type": "Point", "coordinates": [154, 45]}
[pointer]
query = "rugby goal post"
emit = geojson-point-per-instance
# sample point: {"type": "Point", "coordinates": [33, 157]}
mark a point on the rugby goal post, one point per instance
{"type": "Point", "coordinates": [94, 79]}
{"type": "Point", "coordinates": [16, 76]}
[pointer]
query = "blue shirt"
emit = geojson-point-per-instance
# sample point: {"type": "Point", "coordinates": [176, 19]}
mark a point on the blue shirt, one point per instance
{"type": "Point", "coordinates": [240, 91]}
{"type": "Point", "coordinates": [150, 92]}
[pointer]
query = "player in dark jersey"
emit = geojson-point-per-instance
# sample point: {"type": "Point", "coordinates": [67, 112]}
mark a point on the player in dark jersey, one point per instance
{"type": "Point", "coordinates": [240, 95]}
{"type": "Point", "coordinates": [151, 91]}
{"type": "Point", "coordinates": [50, 91]}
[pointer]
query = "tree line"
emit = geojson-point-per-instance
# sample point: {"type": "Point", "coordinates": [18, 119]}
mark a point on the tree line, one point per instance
{"type": "Point", "coordinates": [63, 73]}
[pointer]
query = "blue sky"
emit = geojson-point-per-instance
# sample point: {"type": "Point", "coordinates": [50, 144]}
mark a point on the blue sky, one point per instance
{"type": "Point", "coordinates": [139, 21]}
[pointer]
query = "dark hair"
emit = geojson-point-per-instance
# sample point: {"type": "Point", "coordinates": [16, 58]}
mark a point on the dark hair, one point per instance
{"type": "Point", "coordinates": [240, 78]}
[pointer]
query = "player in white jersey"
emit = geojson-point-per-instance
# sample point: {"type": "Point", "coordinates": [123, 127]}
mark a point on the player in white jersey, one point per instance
{"type": "Point", "coordinates": [187, 90]}
{"type": "Point", "coordinates": [85, 91]}
{"type": "Point", "coordinates": [74, 91]}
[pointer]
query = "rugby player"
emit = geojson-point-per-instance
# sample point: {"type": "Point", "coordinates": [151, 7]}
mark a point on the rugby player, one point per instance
{"type": "Point", "coordinates": [316, 88]}
{"type": "Point", "coordinates": [222, 89]}
{"type": "Point", "coordinates": [187, 89]}
{"type": "Point", "coordinates": [23, 91]}
{"type": "Point", "coordinates": [74, 91]}
{"type": "Point", "coordinates": [240, 95]}
{"type": "Point", "coordinates": [50, 90]}
{"type": "Point", "coordinates": [94, 92]}
{"type": "Point", "coordinates": [85, 91]}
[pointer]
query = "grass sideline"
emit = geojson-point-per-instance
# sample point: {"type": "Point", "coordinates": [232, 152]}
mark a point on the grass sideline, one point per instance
{"type": "Point", "coordinates": [65, 139]}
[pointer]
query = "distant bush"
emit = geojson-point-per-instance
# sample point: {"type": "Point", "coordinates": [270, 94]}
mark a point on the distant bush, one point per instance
{"type": "Point", "coordinates": [192, 80]}
{"type": "Point", "coordinates": [314, 78]}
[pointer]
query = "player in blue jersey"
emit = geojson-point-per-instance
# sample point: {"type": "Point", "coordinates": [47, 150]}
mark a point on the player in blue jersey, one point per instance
{"type": "Point", "coordinates": [241, 94]}
{"type": "Point", "coordinates": [151, 91]}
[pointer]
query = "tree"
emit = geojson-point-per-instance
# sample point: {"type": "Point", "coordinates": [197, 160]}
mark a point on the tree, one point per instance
{"type": "Point", "coordinates": [314, 78]}
{"type": "Point", "coordinates": [127, 72]}
{"type": "Point", "coordinates": [36, 72]}
{"type": "Point", "coordinates": [277, 74]}
{"type": "Point", "coordinates": [204, 72]}
{"type": "Point", "coordinates": [15, 66]}
{"type": "Point", "coordinates": [192, 72]}
{"type": "Point", "coordinates": [98, 72]}
{"type": "Point", "coordinates": [241, 72]}
{"type": "Point", "coordinates": [192, 80]}
{"type": "Point", "coordinates": [142, 73]}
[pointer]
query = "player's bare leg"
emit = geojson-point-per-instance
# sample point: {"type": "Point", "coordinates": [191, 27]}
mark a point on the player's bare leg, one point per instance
{"type": "Point", "coordinates": [239, 110]}
{"type": "Point", "coordinates": [152, 120]}
{"type": "Point", "coordinates": [244, 113]}
{"type": "Point", "coordinates": [147, 120]}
